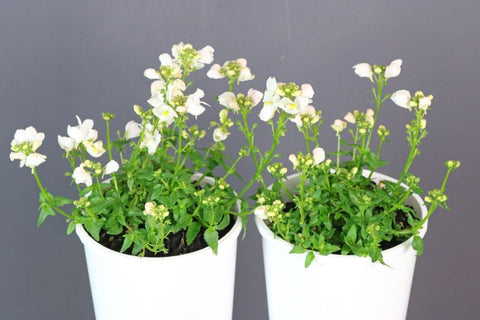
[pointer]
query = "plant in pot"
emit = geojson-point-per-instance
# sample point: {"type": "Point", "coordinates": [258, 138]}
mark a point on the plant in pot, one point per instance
{"type": "Point", "coordinates": [340, 240]}
{"type": "Point", "coordinates": [156, 202]}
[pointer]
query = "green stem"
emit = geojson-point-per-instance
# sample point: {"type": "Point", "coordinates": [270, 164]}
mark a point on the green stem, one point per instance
{"type": "Point", "coordinates": [48, 197]}
{"type": "Point", "coordinates": [109, 144]}
{"type": "Point", "coordinates": [378, 98]}
{"type": "Point", "coordinates": [338, 150]}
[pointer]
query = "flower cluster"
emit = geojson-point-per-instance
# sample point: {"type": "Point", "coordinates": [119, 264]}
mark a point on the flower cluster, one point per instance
{"type": "Point", "coordinates": [335, 207]}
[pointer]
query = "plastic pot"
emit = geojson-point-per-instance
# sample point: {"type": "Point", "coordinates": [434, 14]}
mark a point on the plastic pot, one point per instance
{"type": "Point", "coordinates": [337, 287]}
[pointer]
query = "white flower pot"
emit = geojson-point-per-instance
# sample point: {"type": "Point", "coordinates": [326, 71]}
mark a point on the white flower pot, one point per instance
{"type": "Point", "coordinates": [197, 285]}
{"type": "Point", "coordinates": [337, 287]}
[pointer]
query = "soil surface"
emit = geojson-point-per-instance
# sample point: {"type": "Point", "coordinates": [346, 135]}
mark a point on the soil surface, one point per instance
{"type": "Point", "coordinates": [176, 244]}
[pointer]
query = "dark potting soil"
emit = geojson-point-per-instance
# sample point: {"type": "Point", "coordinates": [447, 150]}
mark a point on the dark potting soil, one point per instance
{"type": "Point", "coordinates": [401, 219]}
{"type": "Point", "coordinates": [176, 244]}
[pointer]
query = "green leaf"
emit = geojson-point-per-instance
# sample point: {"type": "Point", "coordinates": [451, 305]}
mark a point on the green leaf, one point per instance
{"type": "Point", "coordinates": [61, 201]}
{"type": "Point", "coordinates": [71, 227]}
{"type": "Point", "coordinates": [351, 234]}
{"type": "Point", "coordinates": [417, 244]}
{"type": "Point", "coordinates": [127, 242]}
{"type": "Point", "coordinates": [45, 211]}
{"type": "Point", "coordinates": [309, 258]}
{"type": "Point", "coordinates": [211, 237]}
{"type": "Point", "coordinates": [192, 232]}
{"type": "Point", "coordinates": [297, 249]}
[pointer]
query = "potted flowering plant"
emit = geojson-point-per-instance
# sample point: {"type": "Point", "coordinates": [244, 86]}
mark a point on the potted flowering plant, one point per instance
{"type": "Point", "coordinates": [339, 238]}
{"type": "Point", "coordinates": [160, 204]}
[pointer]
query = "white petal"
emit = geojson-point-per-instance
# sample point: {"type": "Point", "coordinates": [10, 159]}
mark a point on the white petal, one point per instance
{"type": "Point", "coordinates": [165, 59]}
{"type": "Point", "coordinates": [261, 212]}
{"type": "Point", "coordinates": [206, 54]}
{"type": "Point", "coordinates": [245, 74]}
{"type": "Point", "coordinates": [318, 155]}
{"type": "Point", "coordinates": [214, 72]}
{"type": "Point", "coordinates": [111, 167]}
{"type": "Point", "coordinates": [96, 149]}
{"type": "Point", "coordinates": [132, 130]}
{"type": "Point", "coordinates": [151, 74]}
{"type": "Point", "coordinates": [401, 98]}
{"type": "Point", "coordinates": [80, 175]}
{"type": "Point", "coordinates": [220, 135]}
{"type": "Point", "coordinates": [267, 112]}
{"type": "Point", "coordinates": [227, 99]}
{"type": "Point", "coordinates": [66, 143]}
{"type": "Point", "coordinates": [363, 70]}
{"type": "Point", "coordinates": [307, 90]}
{"type": "Point", "coordinates": [255, 95]}
{"type": "Point", "coordinates": [394, 69]}
{"type": "Point", "coordinates": [35, 159]}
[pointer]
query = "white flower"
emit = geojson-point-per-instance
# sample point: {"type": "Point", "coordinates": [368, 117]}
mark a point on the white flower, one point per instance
{"type": "Point", "coordinates": [339, 125]}
{"type": "Point", "coordinates": [289, 106]}
{"type": "Point", "coordinates": [80, 175]}
{"type": "Point", "coordinates": [151, 139]}
{"type": "Point", "coordinates": [151, 74]}
{"type": "Point", "coordinates": [308, 110]}
{"type": "Point", "coordinates": [293, 159]}
{"type": "Point", "coordinates": [393, 70]}
{"type": "Point", "coordinates": [228, 99]}
{"type": "Point", "coordinates": [349, 117]}
{"type": "Point", "coordinates": [83, 132]}
{"type": "Point", "coordinates": [165, 60]}
{"type": "Point", "coordinates": [111, 167]}
{"type": "Point", "coordinates": [261, 212]}
{"type": "Point", "coordinates": [66, 143]}
{"type": "Point", "coordinates": [165, 113]}
{"type": "Point", "coordinates": [206, 57]}
{"type": "Point", "coordinates": [157, 88]}
{"type": "Point", "coordinates": [369, 116]}
{"type": "Point", "coordinates": [318, 155]}
{"type": "Point", "coordinates": [30, 136]}
{"type": "Point", "coordinates": [424, 103]}
{"type": "Point", "coordinates": [149, 208]}
{"type": "Point", "coordinates": [402, 98]}
{"type": "Point", "coordinates": [363, 70]}
{"type": "Point", "coordinates": [95, 149]}
{"type": "Point", "coordinates": [267, 112]}
{"type": "Point", "coordinates": [175, 88]}
{"type": "Point", "coordinates": [220, 135]}
{"type": "Point", "coordinates": [215, 72]}
{"type": "Point", "coordinates": [132, 130]}
{"type": "Point", "coordinates": [307, 90]}
{"type": "Point", "coordinates": [193, 103]}
{"type": "Point", "coordinates": [270, 97]}
{"type": "Point", "coordinates": [32, 160]}
{"type": "Point", "coordinates": [255, 95]}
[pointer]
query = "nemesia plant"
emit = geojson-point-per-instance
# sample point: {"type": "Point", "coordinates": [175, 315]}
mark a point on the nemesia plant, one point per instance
{"type": "Point", "coordinates": [336, 208]}
{"type": "Point", "coordinates": [156, 180]}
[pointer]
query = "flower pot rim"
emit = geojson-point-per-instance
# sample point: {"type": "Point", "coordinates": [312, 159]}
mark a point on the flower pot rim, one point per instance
{"type": "Point", "coordinates": [269, 235]}
{"type": "Point", "coordinates": [87, 240]}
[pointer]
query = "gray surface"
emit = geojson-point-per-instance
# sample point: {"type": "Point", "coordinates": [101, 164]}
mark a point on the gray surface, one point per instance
{"type": "Point", "coordinates": [61, 58]}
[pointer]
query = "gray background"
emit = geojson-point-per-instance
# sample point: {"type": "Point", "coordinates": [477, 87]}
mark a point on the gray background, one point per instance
{"type": "Point", "coordinates": [62, 58]}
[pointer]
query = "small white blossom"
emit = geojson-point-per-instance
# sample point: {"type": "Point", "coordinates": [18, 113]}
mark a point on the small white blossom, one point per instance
{"type": "Point", "coordinates": [267, 112]}
{"type": "Point", "coordinates": [151, 74]}
{"type": "Point", "coordinates": [363, 70]}
{"type": "Point", "coordinates": [132, 129]}
{"type": "Point", "coordinates": [318, 155]}
{"type": "Point", "coordinates": [82, 132]}
{"type": "Point", "coordinates": [215, 72]}
{"type": "Point", "coordinates": [289, 106]}
{"type": "Point", "coordinates": [393, 70]}
{"type": "Point", "coordinates": [157, 88]}
{"type": "Point", "coordinates": [151, 139]}
{"type": "Point", "coordinates": [95, 149]}
{"type": "Point", "coordinates": [293, 159]}
{"type": "Point", "coordinates": [219, 134]}
{"type": "Point", "coordinates": [261, 212]}
{"type": "Point", "coordinates": [66, 143]}
{"type": "Point", "coordinates": [423, 124]}
{"type": "Point", "coordinates": [80, 175]}
{"type": "Point", "coordinates": [111, 167]}
{"type": "Point", "coordinates": [402, 98]}
{"type": "Point", "coordinates": [24, 144]}
{"type": "Point", "coordinates": [165, 113]}
{"type": "Point", "coordinates": [305, 111]}
{"type": "Point", "coordinates": [30, 136]}
{"type": "Point", "coordinates": [339, 125]}
{"type": "Point", "coordinates": [307, 90]}
{"type": "Point", "coordinates": [228, 99]}
{"type": "Point", "coordinates": [255, 95]}
{"type": "Point", "coordinates": [424, 103]}
{"type": "Point", "coordinates": [350, 118]}
{"type": "Point", "coordinates": [194, 105]}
